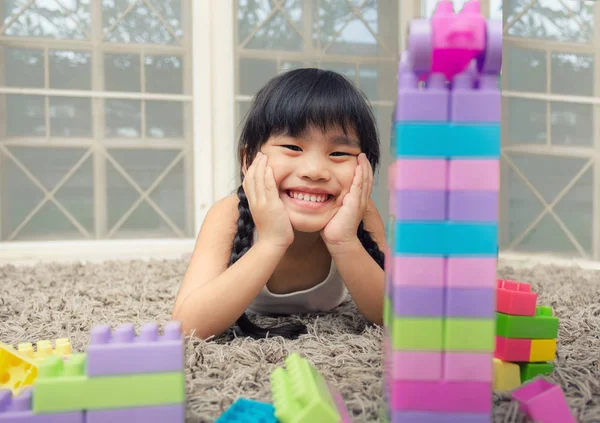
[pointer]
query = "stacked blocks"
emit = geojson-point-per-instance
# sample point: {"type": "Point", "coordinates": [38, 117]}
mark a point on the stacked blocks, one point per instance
{"type": "Point", "coordinates": [45, 349]}
{"type": "Point", "coordinates": [439, 313]}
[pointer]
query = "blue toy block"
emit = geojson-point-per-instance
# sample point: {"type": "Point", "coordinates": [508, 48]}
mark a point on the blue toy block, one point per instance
{"type": "Point", "coordinates": [248, 411]}
{"type": "Point", "coordinates": [476, 141]}
{"type": "Point", "coordinates": [446, 238]}
{"type": "Point", "coordinates": [17, 409]}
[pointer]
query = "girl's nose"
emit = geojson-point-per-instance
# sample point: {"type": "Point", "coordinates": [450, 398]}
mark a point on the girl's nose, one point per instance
{"type": "Point", "coordinates": [315, 169]}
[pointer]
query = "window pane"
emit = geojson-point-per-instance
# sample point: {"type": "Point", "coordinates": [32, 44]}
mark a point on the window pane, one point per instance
{"type": "Point", "coordinates": [572, 74]}
{"type": "Point", "coordinates": [70, 117]}
{"type": "Point", "coordinates": [526, 69]}
{"type": "Point", "coordinates": [122, 72]}
{"type": "Point", "coordinates": [123, 118]}
{"type": "Point", "coordinates": [164, 74]}
{"type": "Point", "coordinates": [23, 68]}
{"type": "Point", "coordinates": [25, 115]}
{"type": "Point", "coordinates": [254, 73]}
{"type": "Point", "coordinates": [572, 124]}
{"type": "Point", "coordinates": [70, 69]}
{"type": "Point", "coordinates": [164, 119]}
{"type": "Point", "coordinates": [526, 121]}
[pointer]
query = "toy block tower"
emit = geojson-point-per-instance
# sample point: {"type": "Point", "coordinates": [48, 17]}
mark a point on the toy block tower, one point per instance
{"type": "Point", "coordinates": [444, 182]}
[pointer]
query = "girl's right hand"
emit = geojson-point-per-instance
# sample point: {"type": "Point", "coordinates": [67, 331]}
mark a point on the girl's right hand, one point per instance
{"type": "Point", "coordinates": [270, 218]}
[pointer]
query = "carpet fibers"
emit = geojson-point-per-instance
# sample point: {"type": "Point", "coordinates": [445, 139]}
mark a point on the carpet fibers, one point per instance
{"type": "Point", "coordinates": [50, 301]}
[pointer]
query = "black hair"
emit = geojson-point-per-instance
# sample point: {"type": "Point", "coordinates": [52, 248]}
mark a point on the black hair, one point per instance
{"type": "Point", "coordinates": [288, 104]}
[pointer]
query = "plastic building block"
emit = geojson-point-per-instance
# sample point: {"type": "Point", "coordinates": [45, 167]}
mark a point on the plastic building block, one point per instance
{"type": "Point", "coordinates": [473, 141]}
{"type": "Point", "coordinates": [473, 367]}
{"type": "Point", "coordinates": [17, 409]}
{"type": "Point", "coordinates": [420, 174]}
{"type": "Point", "coordinates": [16, 371]}
{"type": "Point", "coordinates": [543, 401]}
{"type": "Point", "coordinates": [532, 370]}
{"type": "Point", "coordinates": [430, 417]}
{"type": "Point", "coordinates": [463, 334]}
{"type": "Point", "coordinates": [416, 365]}
{"type": "Point", "coordinates": [417, 334]}
{"type": "Point", "coordinates": [542, 350]}
{"type": "Point", "coordinates": [442, 396]}
{"type": "Point", "coordinates": [515, 298]}
{"type": "Point", "coordinates": [419, 204]}
{"type": "Point", "coordinates": [469, 302]}
{"type": "Point", "coordinates": [339, 402]}
{"type": "Point", "coordinates": [248, 411]}
{"type": "Point", "coordinates": [541, 326]}
{"type": "Point", "coordinates": [418, 271]}
{"type": "Point", "coordinates": [63, 386]}
{"type": "Point", "coordinates": [475, 104]}
{"type": "Point", "coordinates": [470, 272]}
{"type": "Point", "coordinates": [506, 375]}
{"type": "Point", "coordinates": [481, 175]}
{"type": "Point", "coordinates": [125, 353]}
{"type": "Point", "coordinates": [44, 349]}
{"type": "Point", "coordinates": [419, 301]}
{"type": "Point", "coordinates": [526, 350]}
{"type": "Point", "coordinates": [301, 395]}
{"type": "Point", "coordinates": [429, 103]}
{"type": "Point", "coordinates": [386, 310]}
{"type": "Point", "coordinates": [472, 206]}
{"type": "Point", "coordinates": [157, 414]}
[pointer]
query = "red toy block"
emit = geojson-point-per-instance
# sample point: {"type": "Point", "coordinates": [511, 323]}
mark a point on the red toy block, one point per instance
{"type": "Point", "coordinates": [511, 349]}
{"type": "Point", "coordinates": [515, 298]}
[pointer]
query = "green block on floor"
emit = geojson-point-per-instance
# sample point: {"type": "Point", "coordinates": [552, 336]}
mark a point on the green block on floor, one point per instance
{"type": "Point", "coordinates": [65, 387]}
{"type": "Point", "coordinates": [531, 370]}
{"type": "Point", "coordinates": [417, 333]}
{"type": "Point", "coordinates": [461, 334]}
{"type": "Point", "coordinates": [541, 326]}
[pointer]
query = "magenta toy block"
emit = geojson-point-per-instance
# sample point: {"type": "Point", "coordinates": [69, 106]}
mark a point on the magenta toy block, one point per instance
{"type": "Point", "coordinates": [473, 205]}
{"type": "Point", "coordinates": [543, 402]}
{"type": "Point", "coordinates": [123, 352]}
{"type": "Point", "coordinates": [420, 174]}
{"type": "Point", "coordinates": [18, 410]}
{"type": "Point", "coordinates": [470, 302]}
{"type": "Point", "coordinates": [465, 175]}
{"type": "Point", "coordinates": [430, 104]}
{"type": "Point", "coordinates": [419, 204]}
{"type": "Point", "coordinates": [341, 407]}
{"type": "Point", "coordinates": [419, 301]}
{"type": "Point", "coordinates": [471, 272]}
{"type": "Point", "coordinates": [474, 367]}
{"type": "Point", "coordinates": [453, 397]}
{"type": "Point", "coordinates": [409, 365]}
{"type": "Point", "coordinates": [479, 104]}
{"type": "Point", "coordinates": [158, 414]}
{"type": "Point", "coordinates": [429, 417]}
{"type": "Point", "coordinates": [419, 271]}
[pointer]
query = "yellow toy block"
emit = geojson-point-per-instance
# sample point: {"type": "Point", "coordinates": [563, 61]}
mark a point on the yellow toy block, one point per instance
{"type": "Point", "coordinates": [542, 350]}
{"type": "Point", "coordinates": [45, 349]}
{"type": "Point", "coordinates": [16, 370]}
{"type": "Point", "coordinates": [507, 375]}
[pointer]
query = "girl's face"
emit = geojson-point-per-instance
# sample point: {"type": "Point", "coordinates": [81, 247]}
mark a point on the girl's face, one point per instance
{"type": "Point", "coordinates": [313, 173]}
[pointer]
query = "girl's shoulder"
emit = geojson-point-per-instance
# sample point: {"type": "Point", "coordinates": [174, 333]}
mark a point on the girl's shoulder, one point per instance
{"type": "Point", "coordinates": [225, 212]}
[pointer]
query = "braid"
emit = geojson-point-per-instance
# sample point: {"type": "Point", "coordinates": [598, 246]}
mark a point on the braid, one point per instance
{"type": "Point", "coordinates": [370, 245]}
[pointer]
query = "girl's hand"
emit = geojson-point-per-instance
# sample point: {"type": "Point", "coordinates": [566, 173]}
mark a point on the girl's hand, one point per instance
{"type": "Point", "coordinates": [341, 229]}
{"type": "Point", "coordinates": [269, 215]}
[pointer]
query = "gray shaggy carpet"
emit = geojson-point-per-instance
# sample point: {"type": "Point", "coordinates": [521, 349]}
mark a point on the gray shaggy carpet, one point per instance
{"type": "Point", "coordinates": [49, 301]}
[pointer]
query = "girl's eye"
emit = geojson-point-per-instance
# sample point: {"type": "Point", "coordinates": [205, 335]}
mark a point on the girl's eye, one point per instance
{"type": "Point", "coordinates": [292, 147]}
{"type": "Point", "coordinates": [341, 153]}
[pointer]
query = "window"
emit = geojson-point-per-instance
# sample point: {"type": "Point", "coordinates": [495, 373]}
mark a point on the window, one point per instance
{"type": "Point", "coordinates": [95, 119]}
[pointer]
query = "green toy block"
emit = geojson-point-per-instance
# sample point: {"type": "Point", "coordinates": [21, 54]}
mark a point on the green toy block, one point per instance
{"type": "Point", "coordinates": [386, 310]}
{"type": "Point", "coordinates": [301, 395]}
{"type": "Point", "coordinates": [63, 386]}
{"type": "Point", "coordinates": [531, 370]}
{"type": "Point", "coordinates": [461, 334]}
{"type": "Point", "coordinates": [417, 333]}
{"type": "Point", "coordinates": [541, 326]}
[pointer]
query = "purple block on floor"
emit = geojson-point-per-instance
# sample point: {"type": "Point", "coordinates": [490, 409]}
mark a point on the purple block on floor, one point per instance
{"type": "Point", "coordinates": [473, 206]}
{"type": "Point", "coordinates": [431, 417]}
{"type": "Point", "coordinates": [469, 104]}
{"type": "Point", "coordinates": [420, 204]}
{"type": "Point", "coordinates": [122, 352]}
{"type": "Point", "coordinates": [158, 414]}
{"type": "Point", "coordinates": [418, 301]}
{"type": "Point", "coordinates": [470, 302]}
{"type": "Point", "coordinates": [431, 103]}
{"type": "Point", "coordinates": [18, 410]}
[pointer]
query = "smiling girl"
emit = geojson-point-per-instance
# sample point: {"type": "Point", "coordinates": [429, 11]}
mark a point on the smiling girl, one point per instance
{"type": "Point", "coordinates": [301, 232]}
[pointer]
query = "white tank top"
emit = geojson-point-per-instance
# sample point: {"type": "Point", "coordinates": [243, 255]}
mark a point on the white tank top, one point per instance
{"type": "Point", "coordinates": [324, 296]}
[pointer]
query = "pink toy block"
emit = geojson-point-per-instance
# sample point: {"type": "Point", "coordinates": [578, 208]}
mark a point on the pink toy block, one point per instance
{"type": "Point", "coordinates": [471, 272]}
{"type": "Point", "coordinates": [465, 397]}
{"type": "Point", "coordinates": [123, 352]}
{"type": "Point", "coordinates": [157, 414]}
{"type": "Point", "coordinates": [420, 174]}
{"type": "Point", "coordinates": [419, 271]}
{"type": "Point", "coordinates": [422, 366]}
{"type": "Point", "coordinates": [474, 175]}
{"type": "Point", "coordinates": [512, 349]}
{"type": "Point", "coordinates": [515, 298]}
{"type": "Point", "coordinates": [472, 367]}
{"type": "Point", "coordinates": [543, 402]}
{"type": "Point", "coordinates": [430, 103]}
{"type": "Point", "coordinates": [430, 417]}
{"type": "Point", "coordinates": [472, 104]}
{"type": "Point", "coordinates": [341, 407]}
{"type": "Point", "coordinates": [17, 409]}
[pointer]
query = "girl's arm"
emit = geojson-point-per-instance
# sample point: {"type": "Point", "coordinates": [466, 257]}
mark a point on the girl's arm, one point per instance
{"type": "Point", "coordinates": [212, 296]}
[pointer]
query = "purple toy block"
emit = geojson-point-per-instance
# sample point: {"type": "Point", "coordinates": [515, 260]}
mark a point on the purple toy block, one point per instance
{"type": "Point", "coordinates": [158, 414]}
{"type": "Point", "coordinates": [418, 301]}
{"type": "Point", "coordinates": [18, 410]}
{"type": "Point", "coordinates": [491, 61]}
{"type": "Point", "coordinates": [430, 417]}
{"type": "Point", "coordinates": [419, 204]}
{"type": "Point", "coordinates": [123, 352]}
{"type": "Point", "coordinates": [475, 104]}
{"type": "Point", "coordinates": [470, 302]}
{"type": "Point", "coordinates": [473, 206]}
{"type": "Point", "coordinates": [430, 104]}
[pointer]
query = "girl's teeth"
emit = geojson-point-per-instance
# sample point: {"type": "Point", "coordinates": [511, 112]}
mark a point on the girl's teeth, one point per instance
{"type": "Point", "coordinates": [308, 197]}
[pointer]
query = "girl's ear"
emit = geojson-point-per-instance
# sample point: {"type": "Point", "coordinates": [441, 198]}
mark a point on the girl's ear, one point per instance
{"type": "Point", "coordinates": [244, 163]}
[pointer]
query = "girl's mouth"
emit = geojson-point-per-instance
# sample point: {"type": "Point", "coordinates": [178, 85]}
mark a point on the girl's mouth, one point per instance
{"type": "Point", "coordinates": [307, 199]}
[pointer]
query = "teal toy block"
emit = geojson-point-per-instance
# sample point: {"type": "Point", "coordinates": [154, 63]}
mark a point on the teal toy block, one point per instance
{"type": "Point", "coordinates": [476, 141]}
{"type": "Point", "coordinates": [248, 411]}
{"type": "Point", "coordinates": [424, 140]}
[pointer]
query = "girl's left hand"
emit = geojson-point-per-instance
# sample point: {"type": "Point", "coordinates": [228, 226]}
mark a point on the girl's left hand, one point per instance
{"type": "Point", "coordinates": [342, 228]}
